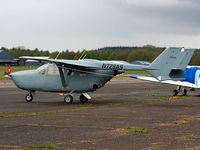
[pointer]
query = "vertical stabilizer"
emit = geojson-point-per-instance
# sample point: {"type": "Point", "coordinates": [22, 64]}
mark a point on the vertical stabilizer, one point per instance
{"type": "Point", "coordinates": [171, 63]}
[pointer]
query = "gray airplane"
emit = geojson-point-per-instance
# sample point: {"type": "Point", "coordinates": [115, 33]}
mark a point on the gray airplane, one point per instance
{"type": "Point", "coordinates": [88, 75]}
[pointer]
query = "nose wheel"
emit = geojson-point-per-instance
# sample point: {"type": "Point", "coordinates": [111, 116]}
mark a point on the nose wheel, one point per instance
{"type": "Point", "coordinates": [29, 97]}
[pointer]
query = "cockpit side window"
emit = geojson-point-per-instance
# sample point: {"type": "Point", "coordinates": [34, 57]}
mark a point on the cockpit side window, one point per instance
{"type": "Point", "coordinates": [53, 69]}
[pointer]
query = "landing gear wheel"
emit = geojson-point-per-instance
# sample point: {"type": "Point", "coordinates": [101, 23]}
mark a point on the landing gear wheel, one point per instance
{"type": "Point", "coordinates": [29, 97]}
{"type": "Point", "coordinates": [68, 99]}
{"type": "Point", "coordinates": [175, 92]}
{"type": "Point", "coordinates": [83, 99]}
{"type": "Point", "coordinates": [184, 92]}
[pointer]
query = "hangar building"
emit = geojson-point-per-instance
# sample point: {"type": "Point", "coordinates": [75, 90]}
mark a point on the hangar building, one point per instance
{"type": "Point", "coordinates": [7, 59]}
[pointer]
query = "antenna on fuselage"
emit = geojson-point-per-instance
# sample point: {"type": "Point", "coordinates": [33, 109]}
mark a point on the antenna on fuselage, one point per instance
{"type": "Point", "coordinates": [58, 55]}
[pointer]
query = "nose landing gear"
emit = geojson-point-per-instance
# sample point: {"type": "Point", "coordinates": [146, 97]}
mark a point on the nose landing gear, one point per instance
{"type": "Point", "coordinates": [29, 97]}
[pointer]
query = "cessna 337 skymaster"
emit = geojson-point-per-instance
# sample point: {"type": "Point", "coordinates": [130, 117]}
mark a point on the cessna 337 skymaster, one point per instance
{"type": "Point", "coordinates": [87, 75]}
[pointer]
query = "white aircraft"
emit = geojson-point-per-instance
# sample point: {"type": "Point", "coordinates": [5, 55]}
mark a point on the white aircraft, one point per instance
{"type": "Point", "coordinates": [191, 80]}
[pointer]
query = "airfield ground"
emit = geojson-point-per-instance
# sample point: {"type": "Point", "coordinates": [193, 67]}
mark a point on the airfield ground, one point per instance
{"type": "Point", "coordinates": [126, 114]}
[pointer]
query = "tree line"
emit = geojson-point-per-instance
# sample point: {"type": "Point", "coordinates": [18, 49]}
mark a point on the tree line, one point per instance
{"type": "Point", "coordinates": [129, 54]}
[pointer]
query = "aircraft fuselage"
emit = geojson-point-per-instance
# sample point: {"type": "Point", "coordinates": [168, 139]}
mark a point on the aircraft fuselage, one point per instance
{"type": "Point", "coordinates": [47, 78]}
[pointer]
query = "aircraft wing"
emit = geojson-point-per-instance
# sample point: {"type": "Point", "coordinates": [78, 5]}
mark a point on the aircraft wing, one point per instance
{"type": "Point", "coordinates": [188, 67]}
{"type": "Point", "coordinates": [68, 64]}
{"type": "Point", "coordinates": [177, 83]}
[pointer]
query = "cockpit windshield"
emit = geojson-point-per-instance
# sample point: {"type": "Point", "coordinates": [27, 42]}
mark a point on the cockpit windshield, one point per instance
{"type": "Point", "coordinates": [51, 69]}
{"type": "Point", "coordinates": [43, 69]}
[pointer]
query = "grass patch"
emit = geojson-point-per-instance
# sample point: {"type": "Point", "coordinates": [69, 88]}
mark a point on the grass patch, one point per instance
{"type": "Point", "coordinates": [175, 122]}
{"type": "Point", "coordinates": [135, 130]}
{"type": "Point", "coordinates": [186, 120]}
{"type": "Point", "coordinates": [30, 147]}
{"type": "Point", "coordinates": [173, 97]}
{"type": "Point", "coordinates": [149, 95]}
{"type": "Point", "coordinates": [3, 147]}
{"type": "Point", "coordinates": [137, 73]}
{"type": "Point", "coordinates": [178, 122]}
{"type": "Point", "coordinates": [92, 141]}
{"type": "Point", "coordinates": [126, 73]}
{"type": "Point", "coordinates": [46, 146]}
{"type": "Point", "coordinates": [43, 113]}
{"type": "Point", "coordinates": [90, 107]}
{"type": "Point", "coordinates": [90, 148]}
{"type": "Point", "coordinates": [191, 137]}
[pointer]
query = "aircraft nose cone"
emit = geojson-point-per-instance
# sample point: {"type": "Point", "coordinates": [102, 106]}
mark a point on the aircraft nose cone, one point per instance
{"type": "Point", "coordinates": [20, 78]}
{"type": "Point", "coordinates": [16, 78]}
{"type": "Point", "coordinates": [12, 74]}
{"type": "Point", "coordinates": [15, 75]}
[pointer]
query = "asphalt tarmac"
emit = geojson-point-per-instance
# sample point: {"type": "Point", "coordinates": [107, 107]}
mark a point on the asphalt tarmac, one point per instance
{"type": "Point", "coordinates": [124, 115]}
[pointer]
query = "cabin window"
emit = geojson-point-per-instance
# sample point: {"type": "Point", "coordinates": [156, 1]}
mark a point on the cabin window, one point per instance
{"type": "Point", "coordinates": [69, 72]}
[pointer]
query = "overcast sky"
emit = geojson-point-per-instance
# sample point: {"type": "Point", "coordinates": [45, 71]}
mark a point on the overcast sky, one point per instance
{"type": "Point", "coordinates": [90, 24]}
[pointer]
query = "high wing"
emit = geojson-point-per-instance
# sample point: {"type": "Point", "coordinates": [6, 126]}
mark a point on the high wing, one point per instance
{"type": "Point", "coordinates": [88, 64]}
{"type": "Point", "coordinates": [69, 64]}
{"type": "Point", "coordinates": [77, 65]}
{"type": "Point", "coordinates": [178, 83]}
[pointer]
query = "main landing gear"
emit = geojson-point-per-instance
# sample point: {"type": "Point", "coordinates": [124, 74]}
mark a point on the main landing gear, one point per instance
{"type": "Point", "coordinates": [67, 99]}
{"type": "Point", "coordinates": [83, 98]}
{"type": "Point", "coordinates": [29, 97]}
{"type": "Point", "coordinates": [181, 90]}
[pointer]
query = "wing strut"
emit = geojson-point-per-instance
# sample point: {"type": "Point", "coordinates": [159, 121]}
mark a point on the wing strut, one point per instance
{"type": "Point", "coordinates": [62, 77]}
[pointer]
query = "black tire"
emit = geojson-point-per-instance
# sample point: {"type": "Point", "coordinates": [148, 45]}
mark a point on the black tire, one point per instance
{"type": "Point", "coordinates": [184, 92]}
{"type": "Point", "coordinates": [68, 99]}
{"type": "Point", "coordinates": [29, 97]}
{"type": "Point", "coordinates": [175, 92]}
{"type": "Point", "coordinates": [83, 99]}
